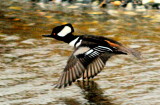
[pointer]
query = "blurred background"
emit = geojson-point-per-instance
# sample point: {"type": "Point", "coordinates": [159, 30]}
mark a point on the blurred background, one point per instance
{"type": "Point", "coordinates": [31, 64]}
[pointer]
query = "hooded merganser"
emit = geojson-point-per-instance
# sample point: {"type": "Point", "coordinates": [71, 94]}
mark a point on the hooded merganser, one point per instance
{"type": "Point", "coordinates": [90, 54]}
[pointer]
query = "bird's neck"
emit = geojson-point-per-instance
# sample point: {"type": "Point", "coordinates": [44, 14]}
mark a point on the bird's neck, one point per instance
{"type": "Point", "coordinates": [69, 38]}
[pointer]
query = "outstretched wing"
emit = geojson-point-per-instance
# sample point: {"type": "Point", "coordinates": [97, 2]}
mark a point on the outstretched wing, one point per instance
{"type": "Point", "coordinates": [72, 71]}
{"type": "Point", "coordinates": [83, 60]}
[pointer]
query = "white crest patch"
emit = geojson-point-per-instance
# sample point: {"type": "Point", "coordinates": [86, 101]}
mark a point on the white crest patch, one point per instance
{"type": "Point", "coordinates": [72, 43]}
{"type": "Point", "coordinates": [64, 31]}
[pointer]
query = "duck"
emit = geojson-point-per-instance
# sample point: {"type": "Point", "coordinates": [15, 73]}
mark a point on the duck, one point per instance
{"type": "Point", "coordinates": [91, 52]}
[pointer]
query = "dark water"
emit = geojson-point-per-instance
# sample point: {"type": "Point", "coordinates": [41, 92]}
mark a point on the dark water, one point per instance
{"type": "Point", "coordinates": [30, 64]}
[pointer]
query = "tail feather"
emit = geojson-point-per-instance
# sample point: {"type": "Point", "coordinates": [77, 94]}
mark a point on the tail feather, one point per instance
{"type": "Point", "coordinates": [130, 51]}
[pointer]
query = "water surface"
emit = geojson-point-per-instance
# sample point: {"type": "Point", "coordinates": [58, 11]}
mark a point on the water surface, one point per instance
{"type": "Point", "coordinates": [30, 64]}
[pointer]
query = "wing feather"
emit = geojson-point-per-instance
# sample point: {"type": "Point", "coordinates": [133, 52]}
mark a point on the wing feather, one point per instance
{"type": "Point", "coordinates": [92, 68]}
{"type": "Point", "coordinates": [89, 72]}
{"type": "Point", "coordinates": [96, 66]}
{"type": "Point", "coordinates": [97, 63]}
{"type": "Point", "coordinates": [72, 71]}
{"type": "Point", "coordinates": [70, 76]}
{"type": "Point", "coordinates": [73, 75]}
{"type": "Point", "coordinates": [67, 77]}
{"type": "Point", "coordinates": [60, 81]}
{"type": "Point", "coordinates": [77, 71]}
{"type": "Point", "coordinates": [64, 79]}
{"type": "Point", "coordinates": [88, 64]}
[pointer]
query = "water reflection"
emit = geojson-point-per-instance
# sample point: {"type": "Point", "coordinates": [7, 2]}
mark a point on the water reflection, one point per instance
{"type": "Point", "coordinates": [93, 93]}
{"type": "Point", "coordinates": [70, 101]}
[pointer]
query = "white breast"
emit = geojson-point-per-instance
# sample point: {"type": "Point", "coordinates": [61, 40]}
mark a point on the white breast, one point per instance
{"type": "Point", "coordinates": [73, 42]}
{"type": "Point", "coordinates": [78, 43]}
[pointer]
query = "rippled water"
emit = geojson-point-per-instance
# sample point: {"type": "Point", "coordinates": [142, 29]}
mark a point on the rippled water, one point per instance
{"type": "Point", "coordinates": [30, 64]}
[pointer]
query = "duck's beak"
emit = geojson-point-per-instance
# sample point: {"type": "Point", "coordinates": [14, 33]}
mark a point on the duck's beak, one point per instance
{"type": "Point", "coordinates": [46, 35]}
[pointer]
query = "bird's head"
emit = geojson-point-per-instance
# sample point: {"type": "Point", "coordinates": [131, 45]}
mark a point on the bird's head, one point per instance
{"type": "Point", "coordinates": [61, 32]}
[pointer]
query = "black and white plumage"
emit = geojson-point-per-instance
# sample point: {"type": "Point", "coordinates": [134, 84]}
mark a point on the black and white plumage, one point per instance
{"type": "Point", "coordinates": [90, 54]}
